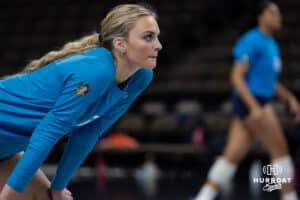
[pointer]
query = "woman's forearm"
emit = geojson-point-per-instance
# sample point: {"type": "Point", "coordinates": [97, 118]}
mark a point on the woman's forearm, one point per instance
{"type": "Point", "coordinates": [283, 93]}
{"type": "Point", "coordinates": [240, 86]}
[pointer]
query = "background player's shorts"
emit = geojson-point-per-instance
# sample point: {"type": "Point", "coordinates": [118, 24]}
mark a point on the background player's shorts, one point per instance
{"type": "Point", "coordinates": [240, 109]}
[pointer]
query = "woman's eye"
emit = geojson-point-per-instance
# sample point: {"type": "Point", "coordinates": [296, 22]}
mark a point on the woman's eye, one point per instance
{"type": "Point", "coordinates": [148, 37]}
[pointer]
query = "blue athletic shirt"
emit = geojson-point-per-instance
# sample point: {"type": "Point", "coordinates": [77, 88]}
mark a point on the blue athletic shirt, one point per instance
{"type": "Point", "coordinates": [261, 53]}
{"type": "Point", "coordinates": [76, 95]}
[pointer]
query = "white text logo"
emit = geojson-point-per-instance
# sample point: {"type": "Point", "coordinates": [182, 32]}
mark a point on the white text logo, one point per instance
{"type": "Point", "coordinates": [275, 182]}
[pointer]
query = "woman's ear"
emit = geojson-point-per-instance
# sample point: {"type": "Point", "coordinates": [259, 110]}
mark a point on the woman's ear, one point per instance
{"type": "Point", "coordinates": [119, 43]}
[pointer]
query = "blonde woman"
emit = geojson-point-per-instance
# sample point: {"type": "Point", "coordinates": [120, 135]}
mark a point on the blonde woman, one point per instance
{"type": "Point", "coordinates": [80, 90]}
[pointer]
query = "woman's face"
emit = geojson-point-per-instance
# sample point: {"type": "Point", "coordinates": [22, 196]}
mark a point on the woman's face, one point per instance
{"type": "Point", "coordinates": [142, 45]}
{"type": "Point", "coordinates": [271, 17]}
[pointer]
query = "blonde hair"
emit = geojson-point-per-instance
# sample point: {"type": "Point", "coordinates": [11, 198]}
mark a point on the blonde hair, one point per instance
{"type": "Point", "coordinates": [77, 46]}
{"type": "Point", "coordinates": [117, 23]}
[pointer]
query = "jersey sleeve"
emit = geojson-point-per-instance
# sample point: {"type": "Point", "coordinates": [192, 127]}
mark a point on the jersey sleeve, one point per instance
{"type": "Point", "coordinates": [79, 91]}
{"type": "Point", "coordinates": [244, 50]}
{"type": "Point", "coordinates": [82, 141]}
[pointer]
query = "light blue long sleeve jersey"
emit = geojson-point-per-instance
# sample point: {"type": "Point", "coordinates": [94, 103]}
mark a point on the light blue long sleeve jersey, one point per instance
{"type": "Point", "coordinates": [78, 95]}
{"type": "Point", "coordinates": [261, 53]}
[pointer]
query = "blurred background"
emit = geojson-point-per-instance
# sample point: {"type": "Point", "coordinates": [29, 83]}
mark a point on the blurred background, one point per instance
{"type": "Point", "coordinates": [164, 145]}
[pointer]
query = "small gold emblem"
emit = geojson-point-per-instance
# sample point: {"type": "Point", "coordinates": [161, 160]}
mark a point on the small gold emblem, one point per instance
{"type": "Point", "coordinates": [82, 89]}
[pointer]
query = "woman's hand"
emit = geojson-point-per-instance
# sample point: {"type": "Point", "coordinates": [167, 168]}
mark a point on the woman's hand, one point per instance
{"type": "Point", "coordinates": [256, 114]}
{"type": "Point", "coordinates": [61, 195]}
{"type": "Point", "coordinates": [8, 193]}
{"type": "Point", "coordinates": [294, 108]}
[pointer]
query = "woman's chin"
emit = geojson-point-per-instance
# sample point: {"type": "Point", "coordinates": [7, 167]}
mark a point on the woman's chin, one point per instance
{"type": "Point", "coordinates": [152, 65]}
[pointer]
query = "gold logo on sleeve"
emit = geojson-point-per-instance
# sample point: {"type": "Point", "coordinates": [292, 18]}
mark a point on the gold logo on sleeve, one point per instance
{"type": "Point", "coordinates": [82, 89]}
